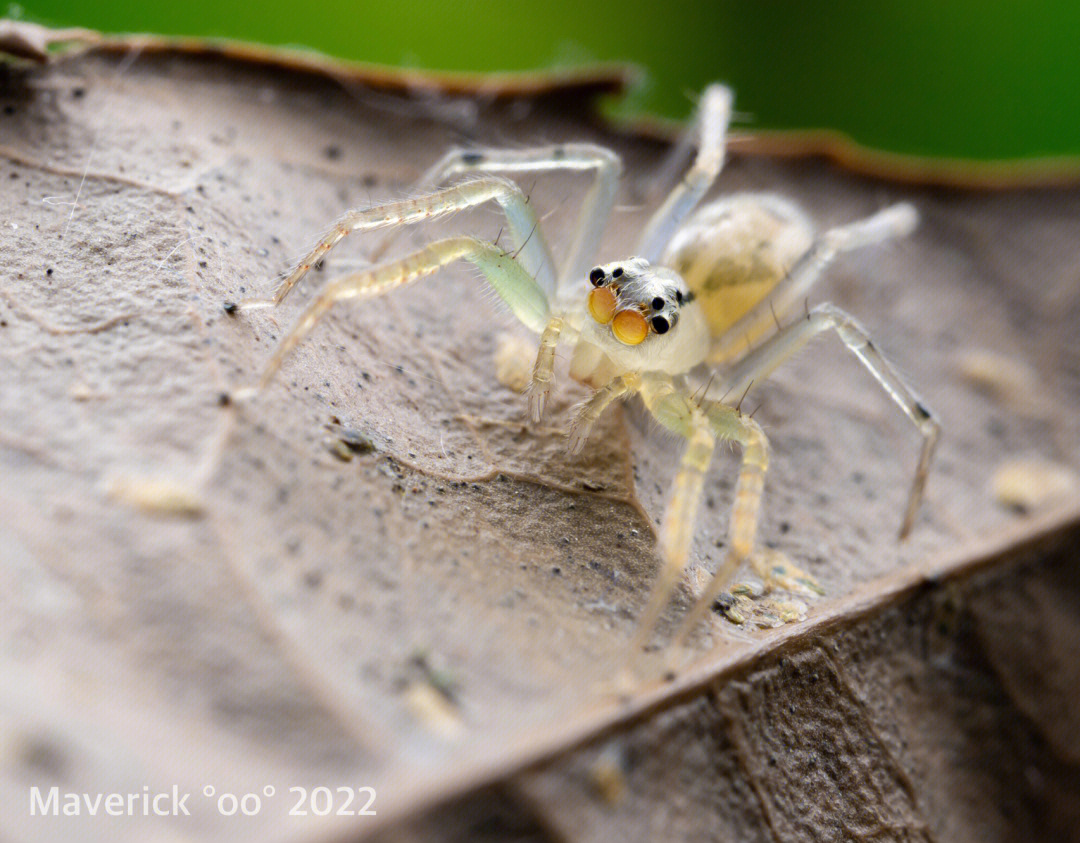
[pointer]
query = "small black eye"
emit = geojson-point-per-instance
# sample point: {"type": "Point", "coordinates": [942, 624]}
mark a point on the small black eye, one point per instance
{"type": "Point", "coordinates": [616, 272]}
{"type": "Point", "coordinates": [596, 276]}
{"type": "Point", "coordinates": [678, 296]}
{"type": "Point", "coordinates": [660, 324]}
{"type": "Point", "coordinates": [658, 303]}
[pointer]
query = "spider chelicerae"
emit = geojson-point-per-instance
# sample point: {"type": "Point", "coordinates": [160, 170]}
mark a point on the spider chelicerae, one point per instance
{"type": "Point", "coordinates": [700, 289]}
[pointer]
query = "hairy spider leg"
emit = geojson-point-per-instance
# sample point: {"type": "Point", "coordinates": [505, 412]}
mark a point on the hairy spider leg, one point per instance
{"type": "Point", "coordinates": [757, 365]}
{"type": "Point", "coordinates": [543, 373]}
{"type": "Point", "coordinates": [701, 424]}
{"type": "Point", "coordinates": [592, 219]}
{"type": "Point", "coordinates": [714, 115]}
{"type": "Point", "coordinates": [533, 252]}
{"type": "Point", "coordinates": [575, 157]}
{"type": "Point", "coordinates": [895, 221]}
{"type": "Point", "coordinates": [506, 276]}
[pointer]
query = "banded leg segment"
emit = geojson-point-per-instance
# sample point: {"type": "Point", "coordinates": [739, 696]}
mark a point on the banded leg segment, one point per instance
{"type": "Point", "coordinates": [543, 375]}
{"type": "Point", "coordinates": [533, 252]}
{"type": "Point", "coordinates": [506, 276]}
{"type": "Point", "coordinates": [714, 115]}
{"type": "Point", "coordinates": [592, 219]}
{"type": "Point", "coordinates": [827, 317]}
{"type": "Point", "coordinates": [895, 221]}
{"type": "Point", "coordinates": [579, 157]}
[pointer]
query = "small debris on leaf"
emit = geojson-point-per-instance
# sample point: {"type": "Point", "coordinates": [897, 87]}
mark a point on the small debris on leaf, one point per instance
{"type": "Point", "coordinates": [1028, 484]}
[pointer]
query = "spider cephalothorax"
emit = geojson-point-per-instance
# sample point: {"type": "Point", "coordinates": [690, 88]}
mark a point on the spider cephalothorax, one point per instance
{"type": "Point", "coordinates": [701, 290]}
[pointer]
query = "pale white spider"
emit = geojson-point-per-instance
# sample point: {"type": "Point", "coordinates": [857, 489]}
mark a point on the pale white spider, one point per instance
{"type": "Point", "coordinates": [695, 295]}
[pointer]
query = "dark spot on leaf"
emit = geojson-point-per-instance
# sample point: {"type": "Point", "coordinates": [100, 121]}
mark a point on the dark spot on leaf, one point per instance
{"type": "Point", "coordinates": [356, 441]}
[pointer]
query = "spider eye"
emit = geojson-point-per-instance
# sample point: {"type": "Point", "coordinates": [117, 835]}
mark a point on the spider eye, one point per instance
{"type": "Point", "coordinates": [596, 276]}
{"type": "Point", "coordinates": [658, 303]}
{"type": "Point", "coordinates": [630, 327]}
{"type": "Point", "coordinates": [660, 324]}
{"type": "Point", "coordinates": [678, 296]}
{"type": "Point", "coordinates": [616, 272]}
{"type": "Point", "coordinates": [602, 305]}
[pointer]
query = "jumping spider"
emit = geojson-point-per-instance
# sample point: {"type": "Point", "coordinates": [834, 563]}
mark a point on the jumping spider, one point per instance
{"type": "Point", "coordinates": [699, 290]}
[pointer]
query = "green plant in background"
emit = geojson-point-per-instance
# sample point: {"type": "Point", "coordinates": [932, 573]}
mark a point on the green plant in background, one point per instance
{"type": "Point", "coordinates": [959, 80]}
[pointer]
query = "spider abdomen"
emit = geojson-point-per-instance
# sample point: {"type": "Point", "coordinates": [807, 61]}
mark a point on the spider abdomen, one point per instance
{"type": "Point", "coordinates": [734, 251]}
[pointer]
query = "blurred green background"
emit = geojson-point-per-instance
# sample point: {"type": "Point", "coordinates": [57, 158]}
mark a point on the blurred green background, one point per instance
{"type": "Point", "coordinates": [977, 80]}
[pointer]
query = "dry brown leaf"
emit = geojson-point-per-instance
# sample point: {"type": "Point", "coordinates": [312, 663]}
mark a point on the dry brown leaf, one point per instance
{"type": "Point", "coordinates": [33, 42]}
{"type": "Point", "coordinates": [438, 618]}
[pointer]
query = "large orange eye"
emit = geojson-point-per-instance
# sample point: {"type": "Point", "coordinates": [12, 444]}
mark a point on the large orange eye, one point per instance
{"type": "Point", "coordinates": [630, 327]}
{"type": "Point", "coordinates": [602, 305]}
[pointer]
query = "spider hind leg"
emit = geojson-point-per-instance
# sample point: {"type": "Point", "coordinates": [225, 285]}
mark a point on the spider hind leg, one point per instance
{"type": "Point", "coordinates": [828, 317]}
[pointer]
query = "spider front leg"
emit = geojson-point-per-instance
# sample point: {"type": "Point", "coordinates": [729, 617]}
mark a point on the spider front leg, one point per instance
{"type": "Point", "coordinates": [701, 425]}
{"type": "Point", "coordinates": [533, 252]}
{"type": "Point", "coordinates": [827, 317]}
{"type": "Point", "coordinates": [564, 157]}
{"type": "Point", "coordinates": [591, 221]}
{"type": "Point", "coordinates": [507, 277]}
